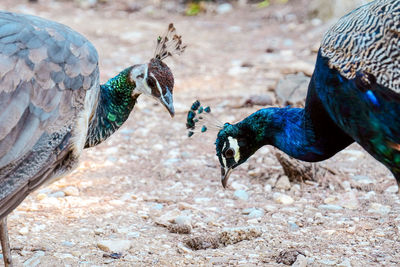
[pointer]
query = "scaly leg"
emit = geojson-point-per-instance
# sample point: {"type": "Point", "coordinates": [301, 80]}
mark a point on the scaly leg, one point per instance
{"type": "Point", "coordinates": [5, 243]}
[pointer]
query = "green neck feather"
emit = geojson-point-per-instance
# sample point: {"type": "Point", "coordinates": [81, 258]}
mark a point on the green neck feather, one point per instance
{"type": "Point", "coordinates": [115, 103]}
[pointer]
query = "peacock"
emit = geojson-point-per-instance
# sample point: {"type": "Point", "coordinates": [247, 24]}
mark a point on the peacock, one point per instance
{"type": "Point", "coordinates": [53, 106]}
{"type": "Point", "coordinates": [353, 96]}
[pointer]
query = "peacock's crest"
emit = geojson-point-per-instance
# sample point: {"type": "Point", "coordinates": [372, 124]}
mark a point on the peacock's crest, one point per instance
{"type": "Point", "coordinates": [170, 44]}
{"type": "Point", "coordinates": [200, 120]}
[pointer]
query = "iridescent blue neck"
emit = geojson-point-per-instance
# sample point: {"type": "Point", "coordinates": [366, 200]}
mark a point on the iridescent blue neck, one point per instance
{"type": "Point", "coordinates": [292, 131]}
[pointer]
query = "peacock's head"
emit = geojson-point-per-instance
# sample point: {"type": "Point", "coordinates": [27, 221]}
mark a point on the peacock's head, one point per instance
{"type": "Point", "coordinates": [234, 144]}
{"type": "Point", "coordinates": [155, 79]}
{"type": "Point", "coordinates": [232, 148]}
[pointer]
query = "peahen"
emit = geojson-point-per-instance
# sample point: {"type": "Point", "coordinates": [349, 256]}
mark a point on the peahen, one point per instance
{"type": "Point", "coordinates": [52, 105]}
{"type": "Point", "coordinates": [353, 95]}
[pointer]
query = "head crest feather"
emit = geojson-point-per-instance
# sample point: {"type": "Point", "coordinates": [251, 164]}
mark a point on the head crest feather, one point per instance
{"type": "Point", "coordinates": [199, 115]}
{"type": "Point", "coordinates": [170, 44]}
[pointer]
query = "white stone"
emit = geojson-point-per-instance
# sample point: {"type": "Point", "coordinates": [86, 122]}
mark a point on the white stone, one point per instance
{"type": "Point", "coordinates": [267, 188]}
{"type": "Point", "coordinates": [392, 189]}
{"type": "Point", "coordinates": [183, 220]}
{"type": "Point", "coordinates": [237, 186]}
{"type": "Point", "coordinates": [23, 230]}
{"type": "Point", "coordinates": [241, 194]}
{"type": "Point", "coordinates": [379, 208]}
{"type": "Point", "coordinates": [71, 191]}
{"type": "Point", "coordinates": [283, 183]}
{"type": "Point", "coordinates": [117, 245]}
{"type": "Point", "coordinates": [34, 260]}
{"type": "Point", "coordinates": [301, 261]}
{"type": "Point", "coordinates": [224, 8]}
{"type": "Point", "coordinates": [256, 213]}
{"type": "Point", "coordinates": [282, 199]}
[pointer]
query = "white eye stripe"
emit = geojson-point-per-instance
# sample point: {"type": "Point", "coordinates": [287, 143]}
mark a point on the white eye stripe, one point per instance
{"type": "Point", "coordinates": [233, 143]}
{"type": "Point", "coordinates": [157, 83]}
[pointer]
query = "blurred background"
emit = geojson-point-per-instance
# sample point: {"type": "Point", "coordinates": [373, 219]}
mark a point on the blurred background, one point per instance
{"type": "Point", "coordinates": [150, 196]}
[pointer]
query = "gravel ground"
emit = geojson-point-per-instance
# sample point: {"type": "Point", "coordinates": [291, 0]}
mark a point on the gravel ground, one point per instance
{"type": "Point", "coordinates": [149, 196]}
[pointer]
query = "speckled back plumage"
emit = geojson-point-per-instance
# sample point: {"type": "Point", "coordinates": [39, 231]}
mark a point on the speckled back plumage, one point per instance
{"type": "Point", "coordinates": [48, 75]}
{"type": "Point", "coordinates": [367, 40]}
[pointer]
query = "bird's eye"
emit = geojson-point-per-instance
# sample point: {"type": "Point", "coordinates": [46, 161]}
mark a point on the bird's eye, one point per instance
{"type": "Point", "coordinates": [229, 153]}
{"type": "Point", "coordinates": [151, 82]}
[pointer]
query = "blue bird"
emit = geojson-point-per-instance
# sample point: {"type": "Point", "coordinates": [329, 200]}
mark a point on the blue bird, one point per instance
{"type": "Point", "coordinates": [353, 96]}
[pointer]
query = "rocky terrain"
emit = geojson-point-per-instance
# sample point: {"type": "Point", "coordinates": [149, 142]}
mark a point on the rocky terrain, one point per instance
{"type": "Point", "coordinates": [150, 196]}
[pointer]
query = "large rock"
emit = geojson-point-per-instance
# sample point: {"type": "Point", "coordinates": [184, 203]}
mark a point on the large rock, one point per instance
{"type": "Point", "coordinates": [292, 89]}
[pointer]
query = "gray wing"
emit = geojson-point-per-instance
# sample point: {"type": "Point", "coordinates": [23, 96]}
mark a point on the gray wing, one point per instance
{"type": "Point", "coordinates": [47, 74]}
{"type": "Point", "coordinates": [45, 68]}
{"type": "Point", "coordinates": [367, 40]}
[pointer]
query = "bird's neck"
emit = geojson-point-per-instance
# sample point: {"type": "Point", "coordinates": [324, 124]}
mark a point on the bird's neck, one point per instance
{"type": "Point", "coordinates": [116, 100]}
{"type": "Point", "coordinates": [292, 131]}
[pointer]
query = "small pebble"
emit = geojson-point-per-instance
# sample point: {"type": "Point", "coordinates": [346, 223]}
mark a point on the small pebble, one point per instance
{"type": "Point", "coordinates": [330, 207]}
{"type": "Point", "coordinates": [23, 230]}
{"type": "Point", "coordinates": [379, 208]}
{"type": "Point", "coordinates": [256, 213]}
{"type": "Point", "coordinates": [224, 8]}
{"type": "Point", "coordinates": [241, 194]}
{"type": "Point", "coordinates": [71, 191]}
{"type": "Point", "coordinates": [57, 194]}
{"type": "Point", "coordinates": [282, 199]}
{"type": "Point", "coordinates": [293, 226]}
{"type": "Point", "coordinates": [392, 189]}
{"type": "Point", "coordinates": [183, 220]}
{"type": "Point", "coordinates": [283, 183]}
{"type": "Point", "coordinates": [117, 245]}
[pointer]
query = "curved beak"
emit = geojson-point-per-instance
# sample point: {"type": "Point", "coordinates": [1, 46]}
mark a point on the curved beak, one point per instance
{"type": "Point", "coordinates": [168, 102]}
{"type": "Point", "coordinates": [225, 172]}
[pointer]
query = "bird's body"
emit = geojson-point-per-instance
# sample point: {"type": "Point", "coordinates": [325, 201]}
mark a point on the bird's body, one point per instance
{"type": "Point", "coordinates": [53, 106]}
{"type": "Point", "coordinates": [353, 95]}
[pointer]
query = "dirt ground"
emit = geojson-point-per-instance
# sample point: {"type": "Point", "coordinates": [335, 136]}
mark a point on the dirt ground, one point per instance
{"type": "Point", "coordinates": [129, 191]}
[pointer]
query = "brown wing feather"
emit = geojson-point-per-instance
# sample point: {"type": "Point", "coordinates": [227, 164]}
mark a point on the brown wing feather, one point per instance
{"type": "Point", "coordinates": [367, 40]}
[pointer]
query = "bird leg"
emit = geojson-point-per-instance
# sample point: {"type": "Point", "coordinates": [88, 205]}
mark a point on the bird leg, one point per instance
{"type": "Point", "coordinates": [5, 243]}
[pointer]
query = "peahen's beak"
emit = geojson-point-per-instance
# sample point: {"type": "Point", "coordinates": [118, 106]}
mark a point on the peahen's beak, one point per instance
{"type": "Point", "coordinates": [225, 172]}
{"type": "Point", "coordinates": [168, 102]}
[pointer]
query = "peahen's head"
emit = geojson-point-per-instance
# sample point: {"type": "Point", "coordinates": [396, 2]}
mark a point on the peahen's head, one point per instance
{"type": "Point", "coordinates": [234, 146]}
{"type": "Point", "coordinates": [155, 79]}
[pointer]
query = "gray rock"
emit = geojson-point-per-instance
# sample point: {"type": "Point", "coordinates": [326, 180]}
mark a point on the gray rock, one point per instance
{"type": "Point", "coordinates": [292, 89]}
{"type": "Point", "coordinates": [241, 194]}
